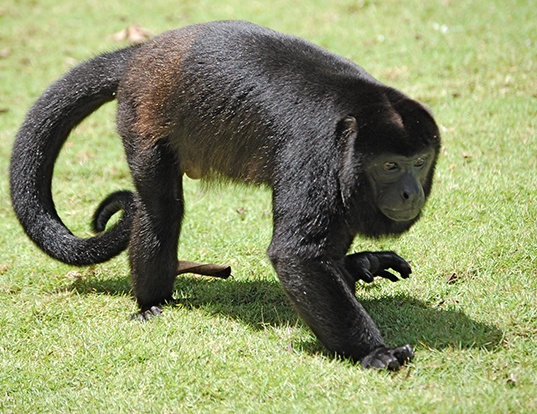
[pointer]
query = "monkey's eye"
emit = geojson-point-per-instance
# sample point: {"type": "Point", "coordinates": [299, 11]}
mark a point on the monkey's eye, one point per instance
{"type": "Point", "coordinates": [420, 162]}
{"type": "Point", "coordinates": [390, 166]}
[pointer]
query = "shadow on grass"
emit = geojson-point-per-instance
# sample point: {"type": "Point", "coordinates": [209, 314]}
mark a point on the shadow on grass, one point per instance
{"type": "Point", "coordinates": [401, 318]}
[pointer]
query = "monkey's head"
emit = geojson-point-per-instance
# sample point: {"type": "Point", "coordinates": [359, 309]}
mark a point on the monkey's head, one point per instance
{"type": "Point", "coordinates": [389, 156]}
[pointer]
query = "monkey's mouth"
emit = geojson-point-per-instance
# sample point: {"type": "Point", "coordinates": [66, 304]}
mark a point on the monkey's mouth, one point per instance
{"type": "Point", "coordinates": [400, 215]}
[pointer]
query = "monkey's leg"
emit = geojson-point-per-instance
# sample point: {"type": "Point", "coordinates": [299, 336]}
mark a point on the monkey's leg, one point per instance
{"type": "Point", "coordinates": [156, 227]}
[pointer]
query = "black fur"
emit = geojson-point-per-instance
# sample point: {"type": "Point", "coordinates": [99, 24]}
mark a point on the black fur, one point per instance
{"type": "Point", "coordinates": [235, 100]}
{"type": "Point", "coordinates": [48, 124]}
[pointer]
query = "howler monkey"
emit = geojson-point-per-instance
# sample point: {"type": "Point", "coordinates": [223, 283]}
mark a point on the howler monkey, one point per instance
{"type": "Point", "coordinates": [343, 153]}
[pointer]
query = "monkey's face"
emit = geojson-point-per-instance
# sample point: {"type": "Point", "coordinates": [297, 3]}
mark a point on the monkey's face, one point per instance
{"type": "Point", "coordinates": [398, 183]}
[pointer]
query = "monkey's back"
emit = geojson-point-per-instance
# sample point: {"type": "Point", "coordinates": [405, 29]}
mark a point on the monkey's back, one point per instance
{"type": "Point", "coordinates": [206, 86]}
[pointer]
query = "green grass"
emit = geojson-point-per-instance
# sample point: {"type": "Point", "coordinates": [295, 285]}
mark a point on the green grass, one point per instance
{"type": "Point", "coordinates": [237, 346]}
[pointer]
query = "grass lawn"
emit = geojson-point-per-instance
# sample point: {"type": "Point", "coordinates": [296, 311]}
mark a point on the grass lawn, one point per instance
{"type": "Point", "coordinates": [237, 346]}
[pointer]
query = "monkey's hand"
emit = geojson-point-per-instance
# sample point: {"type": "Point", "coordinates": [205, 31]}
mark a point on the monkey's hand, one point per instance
{"type": "Point", "coordinates": [366, 265]}
{"type": "Point", "coordinates": [388, 358]}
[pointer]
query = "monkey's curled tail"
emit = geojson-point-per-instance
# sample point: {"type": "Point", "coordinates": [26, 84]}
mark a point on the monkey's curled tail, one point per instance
{"type": "Point", "coordinates": [48, 124]}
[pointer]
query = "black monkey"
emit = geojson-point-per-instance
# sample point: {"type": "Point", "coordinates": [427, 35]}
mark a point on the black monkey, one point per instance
{"type": "Point", "coordinates": [343, 153]}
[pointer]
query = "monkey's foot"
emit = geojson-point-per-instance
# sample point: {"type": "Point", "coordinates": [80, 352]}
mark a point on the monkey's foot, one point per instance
{"type": "Point", "coordinates": [147, 315]}
{"type": "Point", "coordinates": [388, 358]}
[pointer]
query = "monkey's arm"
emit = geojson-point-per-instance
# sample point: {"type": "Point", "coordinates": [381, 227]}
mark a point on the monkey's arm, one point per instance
{"type": "Point", "coordinates": [366, 265]}
{"type": "Point", "coordinates": [325, 302]}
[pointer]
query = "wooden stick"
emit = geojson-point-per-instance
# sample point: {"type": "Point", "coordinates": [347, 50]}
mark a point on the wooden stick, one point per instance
{"type": "Point", "coordinates": [213, 270]}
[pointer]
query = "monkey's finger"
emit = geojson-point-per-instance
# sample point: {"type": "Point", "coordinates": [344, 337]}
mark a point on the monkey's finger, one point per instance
{"type": "Point", "coordinates": [387, 275]}
{"type": "Point", "coordinates": [403, 353]}
{"type": "Point", "coordinates": [366, 276]}
{"type": "Point", "coordinates": [395, 262]}
{"type": "Point", "coordinates": [388, 358]}
{"type": "Point", "coordinates": [147, 315]}
{"type": "Point", "coordinates": [404, 272]}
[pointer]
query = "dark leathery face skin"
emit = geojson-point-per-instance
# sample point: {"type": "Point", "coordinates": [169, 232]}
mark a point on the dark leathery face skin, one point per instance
{"type": "Point", "coordinates": [398, 182]}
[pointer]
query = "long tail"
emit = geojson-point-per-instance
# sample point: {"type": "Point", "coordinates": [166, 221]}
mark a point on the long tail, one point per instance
{"type": "Point", "coordinates": [48, 124]}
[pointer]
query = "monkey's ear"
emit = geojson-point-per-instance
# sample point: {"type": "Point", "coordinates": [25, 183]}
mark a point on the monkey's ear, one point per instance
{"type": "Point", "coordinates": [347, 131]}
{"type": "Point", "coordinates": [347, 126]}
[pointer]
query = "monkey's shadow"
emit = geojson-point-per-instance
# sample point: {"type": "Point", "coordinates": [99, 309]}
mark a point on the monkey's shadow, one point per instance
{"type": "Point", "coordinates": [261, 304]}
